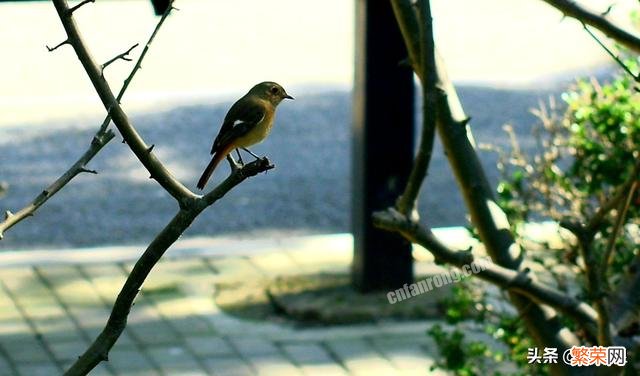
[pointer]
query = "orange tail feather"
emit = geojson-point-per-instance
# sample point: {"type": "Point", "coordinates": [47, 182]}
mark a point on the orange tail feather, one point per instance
{"type": "Point", "coordinates": [217, 158]}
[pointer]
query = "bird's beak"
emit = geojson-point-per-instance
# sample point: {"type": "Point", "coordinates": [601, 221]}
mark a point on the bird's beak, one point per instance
{"type": "Point", "coordinates": [287, 96]}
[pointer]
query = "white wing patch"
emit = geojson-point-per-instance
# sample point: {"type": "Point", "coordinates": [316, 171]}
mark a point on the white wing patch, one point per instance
{"type": "Point", "coordinates": [239, 121]}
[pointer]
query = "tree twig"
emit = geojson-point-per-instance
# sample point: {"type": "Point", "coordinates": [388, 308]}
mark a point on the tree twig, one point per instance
{"type": "Point", "coordinates": [76, 7]}
{"type": "Point", "coordinates": [123, 56]}
{"type": "Point", "coordinates": [596, 220]}
{"type": "Point", "coordinates": [596, 269]}
{"type": "Point", "coordinates": [622, 215]}
{"type": "Point", "coordinates": [486, 215]}
{"type": "Point", "coordinates": [100, 139]}
{"type": "Point", "coordinates": [505, 278]}
{"type": "Point", "coordinates": [98, 142]}
{"type": "Point", "coordinates": [98, 351]}
{"type": "Point", "coordinates": [135, 142]}
{"type": "Point", "coordinates": [190, 205]}
{"type": "Point", "coordinates": [615, 57]}
{"type": "Point", "coordinates": [407, 201]}
{"type": "Point", "coordinates": [571, 8]}
{"type": "Point", "coordinates": [51, 49]}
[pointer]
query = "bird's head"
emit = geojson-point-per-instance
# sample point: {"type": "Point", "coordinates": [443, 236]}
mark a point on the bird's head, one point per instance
{"type": "Point", "coordinates": [270, 91]}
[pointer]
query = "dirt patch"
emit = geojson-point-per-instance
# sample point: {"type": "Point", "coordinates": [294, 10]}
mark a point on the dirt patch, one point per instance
{"type": "Point", "coordinates": [322, 299]}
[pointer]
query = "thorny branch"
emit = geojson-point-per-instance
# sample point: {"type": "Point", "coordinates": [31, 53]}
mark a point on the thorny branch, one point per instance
{"type": "Point", "coordinates": [130, 135]}
{"type": "Point", "coordinates": [51, 49]}
{"type": "Point", "coordinates": [98, 351]}
{"type": "Point", "coordinates": [542, 323]}
{"type": "Point", "coordinates": [190, 205]}
{"type": "Point", "coordinates": [98, 142]}
{"type": "Point", "coordinates": [76, 7]}
{"type": "Point", "coordinates": [506, 278]}
{"type": "Point", "coordinates": [615, 57]}
{"type": "Point", "coordinates": [123, 56]}
{"type": "Point", "coordinates": [571, 8]}
{"type": "Point", "coordinates": [102, 137]}
{"type": "Point", "coordinates": [426, 65]}
{"type": "Point", "coordinates": [596, 269]}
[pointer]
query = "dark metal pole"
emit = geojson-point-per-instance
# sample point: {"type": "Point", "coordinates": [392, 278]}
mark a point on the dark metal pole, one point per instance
{"type": "Point", "coordinates": [383, 130]}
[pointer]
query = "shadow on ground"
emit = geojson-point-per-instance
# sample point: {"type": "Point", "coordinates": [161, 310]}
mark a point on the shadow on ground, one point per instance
{"type": "Point", "coordinates": [308, 192]}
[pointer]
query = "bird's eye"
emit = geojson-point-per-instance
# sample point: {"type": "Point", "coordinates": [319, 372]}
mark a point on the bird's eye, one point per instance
{"type": "Point", "coordinates": [274, 90]}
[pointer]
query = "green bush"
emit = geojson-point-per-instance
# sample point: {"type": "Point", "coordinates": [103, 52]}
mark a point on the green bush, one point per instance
{"type": "Point", "coordinates": [587, 150]}
{"type": "Point", "coordinates": [586, 153]}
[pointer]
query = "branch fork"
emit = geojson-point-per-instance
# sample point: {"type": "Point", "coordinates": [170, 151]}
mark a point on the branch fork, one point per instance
{"type": "Point", "coordinates": [64, 42]}
{"type": "Point", "coordinates": [123, 56]}
{"type": "Point", "coordinates": [76, 7]}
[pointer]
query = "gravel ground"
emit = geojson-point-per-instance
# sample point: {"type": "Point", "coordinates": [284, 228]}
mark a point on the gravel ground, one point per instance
{"type": "Point", "coordinates": [308, 192]}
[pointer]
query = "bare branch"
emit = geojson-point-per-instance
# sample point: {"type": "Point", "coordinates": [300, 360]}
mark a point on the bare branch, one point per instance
{"type": "Point", "coordinates": [99, 349]}
{"type": "Point", "coordinates": [77, 168]}
{"type": "Point", "coordinates": [73, 9]}
{"type": "Point", "coordinates": [613, 56]}
{"type": "Point", "coordinates": [571, 8]}
{"type": "Point", "coordinates": [622, 214]}
{"type": "Point", "coordinates": [51, 49]}
{"type": "Point", "coordinates": [123, 56]}
{"type": "Point", "coordinates": [100, 139]}
{"type": "Point", "coordinates": [596, 221]}
{"type": "Point", "coordinates": [607, 11]}
{"type": "Point", "coordinates": [407, 201]}
{"type": "Point", "coordinates": [237, 175]}
{"type": "Point", "coordinates": [596, 269]}
{"type": "Point", "coordinates": [487, 217]}
{"type": "Point", "coordinates": [508, 279]}
{"type": "Point", "coordinates": [155, 168]}
{"type": "Point", "coordinates": [89, 171]}
{"type": "Point", "coordinates": [138, 65]}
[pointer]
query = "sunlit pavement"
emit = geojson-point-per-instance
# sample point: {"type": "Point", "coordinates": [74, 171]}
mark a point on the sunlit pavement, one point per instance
{"type": "Point", "coordinates": [52, 306]}
{"type": "Point", "coordinates": [54, 302]}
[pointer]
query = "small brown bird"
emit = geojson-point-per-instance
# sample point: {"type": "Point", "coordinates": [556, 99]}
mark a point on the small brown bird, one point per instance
{"type": "Point", "coordinates": [247, 123]}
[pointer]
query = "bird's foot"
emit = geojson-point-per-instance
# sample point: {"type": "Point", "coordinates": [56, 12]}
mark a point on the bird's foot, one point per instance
{"type": "Point", "coordinates": [240, 161]}
{"type": "Point", "coordinates": [234, 166]}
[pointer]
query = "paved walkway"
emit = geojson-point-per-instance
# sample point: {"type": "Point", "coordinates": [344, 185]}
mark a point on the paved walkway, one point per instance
{"type": "Point", "coordinates": [53, 303]}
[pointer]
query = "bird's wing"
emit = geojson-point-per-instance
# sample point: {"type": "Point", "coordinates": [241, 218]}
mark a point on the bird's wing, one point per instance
{"type": "Point", "coordinates": [239, 120]}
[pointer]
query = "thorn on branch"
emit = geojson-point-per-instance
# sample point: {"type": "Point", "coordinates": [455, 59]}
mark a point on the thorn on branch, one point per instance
{"type": "Point", "coordinates": [51, 49]}
{"type": "Point", "coordinates": [88, 171]}
{"type": "Point", "coordinates": [73, 9]}
{"type": "Point", "coordinates": [7, 214]}
{"type": "Point", "coordinates": [606, 12]}
{"type": "Point", "coordinates": [123, 56]}
{"type": "Point", "coordinates": [150, 148]}
{"type": "Point", "coordinates": [45, 193]}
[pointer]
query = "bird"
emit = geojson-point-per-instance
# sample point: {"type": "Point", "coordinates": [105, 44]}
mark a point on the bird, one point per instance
{"type": "Point", "coordinates": [248, 122]}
